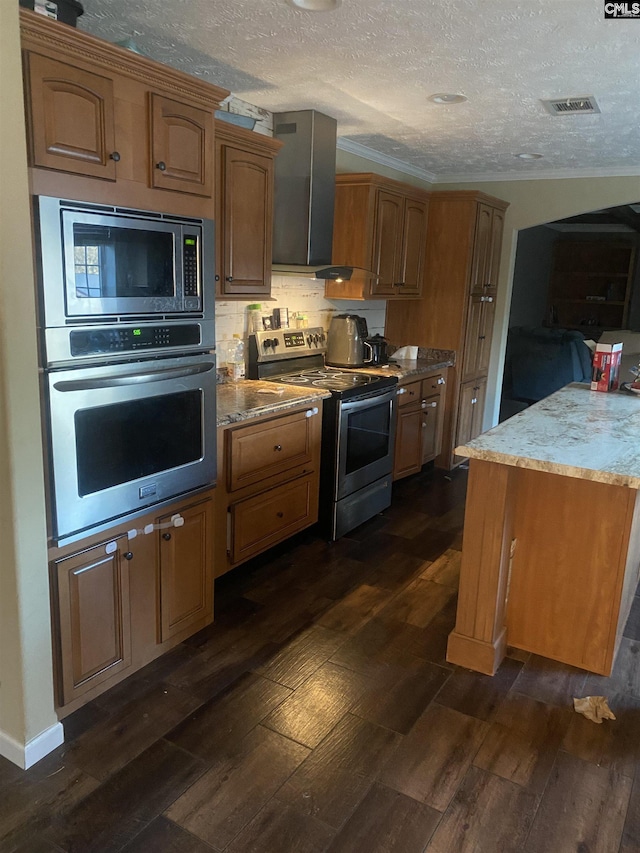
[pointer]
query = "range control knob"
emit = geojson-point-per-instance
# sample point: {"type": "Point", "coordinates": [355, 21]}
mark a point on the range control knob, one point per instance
{"type": "Point", "coordinates": [275, 342]}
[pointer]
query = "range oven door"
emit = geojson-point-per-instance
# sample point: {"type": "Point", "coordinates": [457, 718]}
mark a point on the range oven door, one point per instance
{"type": "Point", "coordinates": [365, 442]}
{"type": "Point", "coordinates": [126, 436]}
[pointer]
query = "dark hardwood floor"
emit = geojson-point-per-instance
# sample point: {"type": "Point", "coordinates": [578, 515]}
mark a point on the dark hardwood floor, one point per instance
{"type": "Point", "coordinates": [319, 713]}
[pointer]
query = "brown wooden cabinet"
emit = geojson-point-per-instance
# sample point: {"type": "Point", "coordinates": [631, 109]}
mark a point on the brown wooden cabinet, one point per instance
{"type": "Point", "coordinates": [244, 211]}
{"type": "Point", "coordinates": [418, 423]}
{"type": "Point", "coordinates": [380, 225]}
{"type": "Point", "coordinates": [108, 125]}
{"type": "Point", "coordinates": [591, 282]}
{"type": "Point", "coordinates": [119, 601]}
{"type": "Point", "coordinates": [94, 617]}
{"type": "Point", "coordinates": [457, 309]}
{"type": "Point", "coordinates": [268, 472]}
{"type": "Point", "coordinates": [186, 570]}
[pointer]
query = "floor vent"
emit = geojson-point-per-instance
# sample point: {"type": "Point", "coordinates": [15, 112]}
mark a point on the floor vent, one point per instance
{"type": "Point", "coordinates": [572, 106]}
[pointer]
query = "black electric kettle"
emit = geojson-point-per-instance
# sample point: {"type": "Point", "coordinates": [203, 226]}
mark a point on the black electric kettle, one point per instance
{"type": "Point", "coordinates": [378, 346]}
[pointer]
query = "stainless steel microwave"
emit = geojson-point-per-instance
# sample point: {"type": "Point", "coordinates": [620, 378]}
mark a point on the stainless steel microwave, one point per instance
{"type": "Point", "coordinates": [107, 264]}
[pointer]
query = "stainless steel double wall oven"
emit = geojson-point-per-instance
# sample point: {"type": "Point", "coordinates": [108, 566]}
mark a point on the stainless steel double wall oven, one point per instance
{"type": "Point", "coordinates": [128, 353]}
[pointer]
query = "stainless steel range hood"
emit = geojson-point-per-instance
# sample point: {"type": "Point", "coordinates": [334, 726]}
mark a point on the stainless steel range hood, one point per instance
{"type": "Point", "coordinates": [305, 178]}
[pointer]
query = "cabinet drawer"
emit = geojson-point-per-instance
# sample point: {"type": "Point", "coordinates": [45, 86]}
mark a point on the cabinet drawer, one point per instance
{"type": "Point", "coordinates": [257, 452]}
{"type": "Point", "coordinates": [266, 519]}
{"type": "Point", "coordinates": [433, 385]}
{"type": "Point", "coordinates": [409, 393]}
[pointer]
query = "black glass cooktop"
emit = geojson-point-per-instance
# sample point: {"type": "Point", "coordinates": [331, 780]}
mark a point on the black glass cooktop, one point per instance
{"type": "Point", "coordinates": [340, 382]}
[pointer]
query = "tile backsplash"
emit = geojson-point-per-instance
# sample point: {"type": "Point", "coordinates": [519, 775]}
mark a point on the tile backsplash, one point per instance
{"type": "Point", "coordinates": [300, 296]}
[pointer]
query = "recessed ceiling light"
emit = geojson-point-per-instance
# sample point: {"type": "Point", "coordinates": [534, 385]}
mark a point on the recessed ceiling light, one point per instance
{"type": "Point", "coordinates": [447, 98]}
{"type": "Point", "coordinates": [525, 155]}
{"type": "Point", "coordinates": [316, 5]}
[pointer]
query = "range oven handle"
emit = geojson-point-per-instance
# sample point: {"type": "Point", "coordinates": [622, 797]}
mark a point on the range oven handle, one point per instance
{"type": "Point", "coordinates": [373, 399]}
{"type": "Point", "coordinates": [132, 378]}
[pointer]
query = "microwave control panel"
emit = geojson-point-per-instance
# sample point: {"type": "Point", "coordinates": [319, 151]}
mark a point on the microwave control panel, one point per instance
{"type": "Point", "coordinates": [85, 342]}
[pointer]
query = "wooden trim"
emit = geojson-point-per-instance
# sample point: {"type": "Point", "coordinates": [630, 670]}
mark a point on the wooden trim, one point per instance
{"type": "Point", "coordinates": [380, 181]}
{"type": "Point", "coordinates": [39, 33]}
{"type": "Point", "coordinates": [248, 140]}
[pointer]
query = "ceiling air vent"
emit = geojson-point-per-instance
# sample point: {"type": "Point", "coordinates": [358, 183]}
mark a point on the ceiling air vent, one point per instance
{"type": "Point", "coordinates": [572, 106]}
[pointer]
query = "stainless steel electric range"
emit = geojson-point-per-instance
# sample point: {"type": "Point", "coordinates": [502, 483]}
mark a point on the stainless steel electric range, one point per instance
{"type": "Point", "coordinates": [358, 427]}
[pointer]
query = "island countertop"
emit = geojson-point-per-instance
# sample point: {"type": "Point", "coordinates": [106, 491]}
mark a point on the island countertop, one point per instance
{"type": "Point", "coordinates": [574, 432]}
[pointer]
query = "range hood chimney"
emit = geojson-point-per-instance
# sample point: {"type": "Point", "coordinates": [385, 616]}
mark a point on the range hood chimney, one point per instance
{"type": "Point", "coordinates": [305, 178]}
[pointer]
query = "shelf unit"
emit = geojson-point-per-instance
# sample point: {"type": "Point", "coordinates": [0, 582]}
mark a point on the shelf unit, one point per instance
{"type": "Point", "coordinates": [590, 285]}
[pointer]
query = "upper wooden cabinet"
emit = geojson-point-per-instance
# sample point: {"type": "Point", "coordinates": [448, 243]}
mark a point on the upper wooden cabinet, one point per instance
{"type": "Point", "coordinates": [181, 146]}
{"type": "Point", "coordinates": [457, 309]}
{"type": "Point", "coordinates": [244, 210]}
{"type": "Point", "coordinates": [108, 125]}
{"type": "Point", "coordinates": [380, 225]}
{"type": "Point", "coordinates": [72, 118]}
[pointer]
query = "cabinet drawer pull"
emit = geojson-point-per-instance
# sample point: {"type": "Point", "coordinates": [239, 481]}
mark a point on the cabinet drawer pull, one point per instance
{"type": "Point", "coordinates": [229, 278]}
{"type": "Point", "coordinates": [166, 536]}
{"type": "Point", "coordinates": [278, 447]}
{"type": "Point", "coordinates": [311, 412]}
{"type": "Point", "coordinates": [115, 156]}
{"type": "Point", "coordinates": [162, 166]}
{"type": "Point", "coordinates": [128, 555]}
{"type": "Point", "coordinates": [441, 380]}
{"type": "Point", "coordinates": [482, 337]}
{"type": "Point", "coordinates": [401, 391]}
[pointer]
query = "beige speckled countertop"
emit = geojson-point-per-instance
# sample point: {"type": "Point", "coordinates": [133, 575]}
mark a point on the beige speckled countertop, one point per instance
{"type": "Point", "coordinates": [575, 432]}
{"type": "Point", "coordinates": [252, 398]}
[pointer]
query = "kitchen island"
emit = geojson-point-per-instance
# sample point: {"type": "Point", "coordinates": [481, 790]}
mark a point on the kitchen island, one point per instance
{"type": "Point", "coordinates": [551, 548]}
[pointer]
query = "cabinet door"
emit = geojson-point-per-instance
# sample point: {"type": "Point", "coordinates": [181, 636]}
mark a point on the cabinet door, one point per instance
{"type": "Point", "coordinates": [477, 347]}
{"type": "Point", "coordinates": [414, 245]}
{"type": "Point", "coordinates": [470, 410]}
{"type": "Point", "coordinates": [181, 147]}
{"type": "Point", "coordinates": [92, 592]}
{"type": "Point", "coordinates": [387, 243]}
{"type": "Point", "coordinates": [495, 248]}
{"type": "Point", "coordinates": [431, 427]}
{"type": "Point", "coordinates": [186, 570]}
{"type": "Point", "coordinates": [246, 222]}
{"type": "Point", "coordinates": [71, 114]}
{"type": "Point", "coordinates": [408, 449]}
{"type": "Point", "coordinates": [480, 264]}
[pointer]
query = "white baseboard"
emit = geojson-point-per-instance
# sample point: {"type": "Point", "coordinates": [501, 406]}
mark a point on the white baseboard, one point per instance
{"type": "Point", "coordinates": [26, 755]}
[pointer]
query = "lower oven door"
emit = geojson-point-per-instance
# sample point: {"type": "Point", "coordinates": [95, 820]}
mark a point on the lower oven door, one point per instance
{"type": "Point", "coordinates": [126, 436]}
{"type": "Point", "coordinates": [366, 434]}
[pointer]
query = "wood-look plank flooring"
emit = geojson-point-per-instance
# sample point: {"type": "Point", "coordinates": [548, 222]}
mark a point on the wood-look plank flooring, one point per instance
{"type": "Point", "coordinates": [319, 715]}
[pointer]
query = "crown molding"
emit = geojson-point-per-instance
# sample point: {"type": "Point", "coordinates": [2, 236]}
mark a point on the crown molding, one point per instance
{"type": "Point", "coordinates": [384, 160]}
{"type": "Point", "coordinates": [540, 175]}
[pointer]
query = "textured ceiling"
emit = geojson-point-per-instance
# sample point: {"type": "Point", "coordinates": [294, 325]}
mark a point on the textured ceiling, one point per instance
{"type": "Point", "coordinates": [372, 64]}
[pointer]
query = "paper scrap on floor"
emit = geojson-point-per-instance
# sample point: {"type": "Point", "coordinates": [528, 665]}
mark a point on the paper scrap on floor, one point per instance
{"type": "Point", "coordinates": [594, 708]}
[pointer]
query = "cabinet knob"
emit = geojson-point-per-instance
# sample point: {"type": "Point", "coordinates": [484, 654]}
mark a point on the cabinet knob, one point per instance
{"type": "Point", "coordinates": [229, 278]}
{"type": "Point", "coordinates": [128, 555]}
{"type": "Point", "coordinates": [166, 536]}
{"type": "Point", "coordinates": [280, 514]}
{"type": "Point", "coordinates": [441, 380]}
{"type": "Point", "coordinates": [482, 337]}
{"type": "Point", "coordinates": [115, 156]}
{"type": "Point", "coordinates": [162, 166]}
{"type": "Point", "coordinates": [217, 278]}
{"type": "Point", "coordinates": [278, 447]}
{"type": "Point", "coordinates": [401, 391]}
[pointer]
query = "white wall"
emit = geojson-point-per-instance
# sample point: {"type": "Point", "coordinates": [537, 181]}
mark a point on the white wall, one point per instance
{"type": "Point", "coordinates": [28, 724]}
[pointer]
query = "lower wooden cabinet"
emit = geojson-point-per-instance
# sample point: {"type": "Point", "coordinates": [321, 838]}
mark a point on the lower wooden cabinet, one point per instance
{"type": "Point", "coordinates": [419, 423]}
{"type": "Point", "coordinates": [94, 624]}
{"type": "Point", "coordinates": [186, 571]}
{"type": "Point", "coordinates": [471, 410]}
{"type": "Point", "coordinates": [268, 482]}
{"type": "Point", "coordinates": [119, 601]}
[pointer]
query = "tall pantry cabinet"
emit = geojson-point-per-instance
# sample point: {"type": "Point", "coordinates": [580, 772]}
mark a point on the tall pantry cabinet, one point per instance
{"type": "Point", "coordinates": [457, 309]}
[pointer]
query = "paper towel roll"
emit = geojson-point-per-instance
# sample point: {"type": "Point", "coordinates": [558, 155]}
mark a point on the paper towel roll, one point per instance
{"type": "Point", "coordinates": [406, 352]}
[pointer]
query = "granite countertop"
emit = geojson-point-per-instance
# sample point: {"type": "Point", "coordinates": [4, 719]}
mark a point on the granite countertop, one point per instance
{"type": "Point", "coordinates": [428, 361]}
{"type": "Point", "coordinates": [576, 432]}
{"type": "Point", "coordinates": [252, 398]}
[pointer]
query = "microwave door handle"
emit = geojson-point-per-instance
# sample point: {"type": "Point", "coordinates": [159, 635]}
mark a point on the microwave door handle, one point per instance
{"type": "Point", "coordinates": [131, 378]}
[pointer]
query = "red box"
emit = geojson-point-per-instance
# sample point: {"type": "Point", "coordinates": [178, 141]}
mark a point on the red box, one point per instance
{"type": "Point", "coordinates": [606, 367]}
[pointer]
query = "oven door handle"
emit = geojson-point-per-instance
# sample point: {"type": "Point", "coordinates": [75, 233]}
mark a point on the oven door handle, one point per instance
{"type": "Point", "coordinates": [132, 378]}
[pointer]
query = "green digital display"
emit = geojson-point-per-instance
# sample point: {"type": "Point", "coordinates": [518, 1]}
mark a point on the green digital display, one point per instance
{"type": "Point", "coordinates": [137, 332]}
{"type": "Point", "coordinates": [189, 241]}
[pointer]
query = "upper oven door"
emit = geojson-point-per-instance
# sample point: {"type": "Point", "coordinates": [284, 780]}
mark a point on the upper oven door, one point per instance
{"type": "Point", "coordinates": [366, 434]}
{"type": "Point", "coordinates": [127, 436]}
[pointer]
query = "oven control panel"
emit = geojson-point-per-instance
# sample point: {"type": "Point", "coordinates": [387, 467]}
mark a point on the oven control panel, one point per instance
{"type": "Point", "coordinates": [85, 341]}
